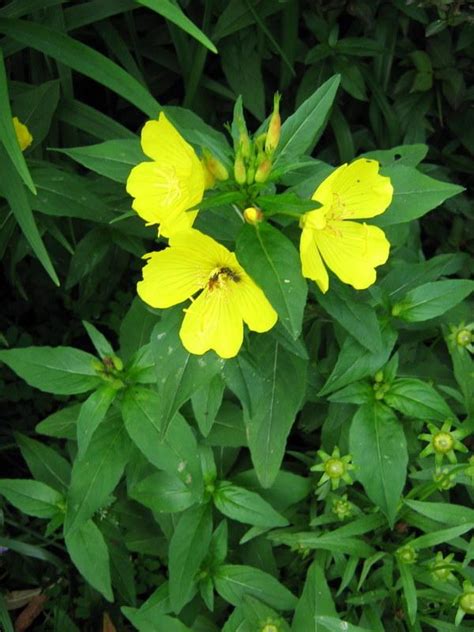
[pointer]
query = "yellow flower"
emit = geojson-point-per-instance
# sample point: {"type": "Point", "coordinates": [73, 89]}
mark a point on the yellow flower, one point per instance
{"type": "Point", "coordinates": [22, 133]}
{"type": "Point", "coordinates": [351, 250]}
{"type": "Point", "coordinates": [229, 297]}
{"type": "Point", "coordinates": [174, 182]}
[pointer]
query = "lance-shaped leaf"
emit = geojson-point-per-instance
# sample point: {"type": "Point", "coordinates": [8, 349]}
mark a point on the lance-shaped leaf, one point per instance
{"type": "Point", "coordinates": [57, 370]}
{"type": "Point", "coordinates": [273, 262]}
{"type": "Point", "coordinates": [379, 450]}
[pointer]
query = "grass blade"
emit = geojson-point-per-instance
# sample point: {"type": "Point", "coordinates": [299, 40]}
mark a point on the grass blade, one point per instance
{"type": "Point", "coordinates": [83, 59]}
{"type": "Point", "coordinates": [174, 14]}
{"type": "Point", "coordinates": [7, 131]}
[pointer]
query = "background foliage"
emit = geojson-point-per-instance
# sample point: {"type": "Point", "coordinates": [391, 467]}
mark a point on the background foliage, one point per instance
{"type": "Point", "coordinates": [89, 73]}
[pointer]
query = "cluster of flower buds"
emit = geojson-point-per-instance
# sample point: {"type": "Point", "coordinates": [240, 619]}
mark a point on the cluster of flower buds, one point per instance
{"type": "Point", "coordinates": [253, 158]}
{"type": "Point", "coordinates": [110, 369]}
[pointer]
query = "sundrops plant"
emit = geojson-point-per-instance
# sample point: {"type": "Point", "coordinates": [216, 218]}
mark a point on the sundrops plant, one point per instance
{"type": "Point", "coordinates": [249, 403]}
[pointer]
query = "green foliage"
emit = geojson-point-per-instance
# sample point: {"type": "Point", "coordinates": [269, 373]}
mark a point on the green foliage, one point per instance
{"type": "Point", "coordinates": [178, 492]}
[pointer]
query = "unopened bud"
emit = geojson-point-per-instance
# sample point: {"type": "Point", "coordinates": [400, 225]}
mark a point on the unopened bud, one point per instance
{"type": "Point", "coordinates": [215, 166]}
{"type": "Point", "coordinates": [22, 133]}
{"type": "Point", "coordinates": [209, 179]}
{"type": "Point", "coordinates": [117, 362]}
{"type": "Point", "coordinates": [274, 127]}
{"type": "Point", "coordinates": [253, 215]}
{"type": "Point", "coordinates": [263, 170]}
{"type": "Point", "coordinates": [240, 173]}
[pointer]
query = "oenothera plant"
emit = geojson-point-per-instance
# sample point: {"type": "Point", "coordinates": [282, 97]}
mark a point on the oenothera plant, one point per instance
{"type": "Point", "coordinates": [278, 290]}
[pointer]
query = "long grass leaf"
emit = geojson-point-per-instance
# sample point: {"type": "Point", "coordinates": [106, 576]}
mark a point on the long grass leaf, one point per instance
{"type": "Point", "coordinates": [83, 59]}
{"type": "Point", "coordinates": [15, 193]}
{"type": "Point", "coordinates": [7, 131]}
{"type": "Point", "coordinates": [174, 14]}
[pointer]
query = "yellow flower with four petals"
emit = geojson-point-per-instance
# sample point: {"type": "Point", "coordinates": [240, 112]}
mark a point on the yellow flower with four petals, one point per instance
{"type": "Point", "coordinates": [228, 297]}
{"type": "Point", "coordinates": [352, 250]}
{"type": "Point", "coordinates": [172, 183]}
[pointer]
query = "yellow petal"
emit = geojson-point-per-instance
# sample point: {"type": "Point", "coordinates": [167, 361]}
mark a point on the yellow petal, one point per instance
{"type": "Point", "coordinates": [213, 322]}
{"type": "Point", "coordinates": [358, 191]}
{"type": "Point", "coordinates": [352, 251]}
{"type": "Point", "coordinates": [160, 138]}
{"type": "Point", "coordinates": [311, 263]}
{"type": "Point", "coordinates": [253, 305]}
{"type": "Point", "coordinates": [170, 277]}
{"type": "Point", "coordinates": [204, 250]}
{"type": "Point", "coordinates": [22, 133]}
{"type": "Point", "coordinates": [158, 187]}
{"type": "Point", "coordinates": [175, 224]}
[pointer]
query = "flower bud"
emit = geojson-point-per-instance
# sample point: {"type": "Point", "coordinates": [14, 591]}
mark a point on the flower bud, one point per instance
{"type": "Point", "coordinates": [209, 179]}
{"type": "Point", "coordinates": [240, 173]}
{"type": "Point", "coordinates": [466, 603]}
{"type": "Point", "coordinates": [117, 362]}
{"type": "Point", "coordinates": [263, 170]}
{"type": "Point", "coordinates": [274, 127]}
{"type": "Point", "coordinates": [407, 554]}
{"type": "Point", "coordinates": [215, 166]}
{"type": "Point", "coordinates": [253, 215]}
{"type": "Point", "coordinates": [22, 133]}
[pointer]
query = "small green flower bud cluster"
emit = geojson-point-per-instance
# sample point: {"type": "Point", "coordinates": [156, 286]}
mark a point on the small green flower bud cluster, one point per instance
{"type": "Point", "coordinates": [342, 507]}
{"type": "Point", "coordinates": [465, 602]}
{"type": "Point", "coordinates": [442, 442]}
{"type": "Point", "coordinates": [407, 554]}
{"type": "Point", "coordinates": [110, 369]}
{"type": "Point", "coordinates": [253, 158]}
{"type": "Point", "coordinates": [334, 467]}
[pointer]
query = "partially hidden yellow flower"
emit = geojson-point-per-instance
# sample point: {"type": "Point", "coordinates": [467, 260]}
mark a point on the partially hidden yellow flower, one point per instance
{"type": "Point", "coordinates": [23, 134]}
{"type": "Point", "coordinates": [228, 297]}
{"type": "Point", "coordinates": [172, 183]}
{"type": "Point", "coordinates": [352, 250]}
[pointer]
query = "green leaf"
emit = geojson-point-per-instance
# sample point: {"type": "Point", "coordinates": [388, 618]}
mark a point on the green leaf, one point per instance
{"type": "Point", "coordinates": [113, 159]}
{"type": "Point", "coordinates": [63, 194]}
{"type": "Point", "coordinates": [61, 424]}
{"type": "Point", "coordinates": [92, 413]}
{"type": "Point", "coordinates": [5, 620]}
{"type": "Point", "coordinates": [32, 497]}
{"type": "Point", "coordinates": [408, 155]}
{"type": "Point", "coordinates": [175, 451]}
{"type": "Point", "coordinates": [255, 612]}
{"type": "Point", "coordinates": [273, 262]}
{"type": "Point", "coordinates": [287, 202]}
{"type": "Point", "coordinates": [174, 14]}
{"type": "Point", "coordinates": [91, 121]}
{"type": "Point", "coordinates": [188, 548]}
{"type": "Point", "coordinates": [233, 582]}
{"type": "Point", "coordinates": [355, 362]}
{"type": "Point", "coordinates": [277, 377]}
{"type": "Point", "coordinates": [206, 402]}
{"type": "Point", "coordinates": [315, 601]}
{"type": "Point", "coordinates": [414, 195]}
{"type": "Point", "coordinates": [88, 551]}
{"type": "Point", "coordinates": [409, 590]}
{"type": "Point", "coordinates": [7, 131]}
{"type": "Point", "coordinates": [417, 399]}
{"type": "Point", "coordinates": [447, 513]}
{"type": "Point", "coordinates": [83, 59]}
{"type": "Point", "coordinates": [429, 540]}
{"type": "Point", "coordinates": [324, 542]}
{"type": "Point", "coordinates": [96, 474]}
{"type": "Point", "coordinates": [179, 372]}
{"type": "Point", "coordinates": [242, 66]}
{"type": "Point", "coordinates": [301, 130]}
{"type": "Point", "coordinates": [356, 316]}
{"type": "Point", "coordinates": [11, 187]}
{"type": "Point", "coordinates": [245, 506]}
{"type": "Point", "coordinates": [35, 107]}
{"type": "Point", "coordinates": [136, 328]}
{"type": "Point", "coordinates": [331, 624]}
{"type": "Point", "coordinates": [57, 370]}
{"type": "Point", "coordinates": [100, 342]}
{"type": "Point", "coordinates": [432, 299]}
{"type": "Point", "coordinates": [378, 446]}
{"type": "Point", "coordinates": [163, 493]}
{"type": "Point", "coordinates": [44, 463]}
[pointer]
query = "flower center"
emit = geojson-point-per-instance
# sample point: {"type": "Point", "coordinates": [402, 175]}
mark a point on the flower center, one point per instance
{"type": "Point", "coordinates": [167, 182]}
{"type": "Point", "coordinates": [464, 338]}
{"type": "Point", "coordinates": [338, 208]}
{"type": "Point", "coordinates": [221, 276]}
{"type": "Point", "coordinates": [443, 442]}
{"type": "Point", "coordinates": [334, 468]}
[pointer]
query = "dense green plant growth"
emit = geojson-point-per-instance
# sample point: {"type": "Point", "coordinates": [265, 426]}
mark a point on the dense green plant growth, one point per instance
{"type": "Point", "coordinates": [315, 474]}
